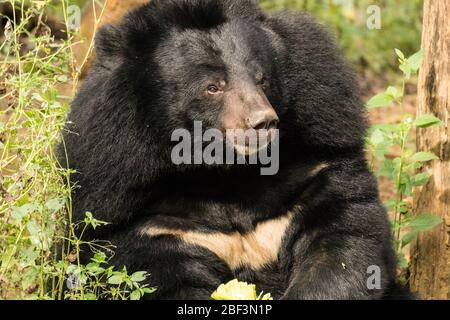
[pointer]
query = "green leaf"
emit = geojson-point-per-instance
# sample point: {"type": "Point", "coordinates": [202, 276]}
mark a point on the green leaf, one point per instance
{"type": "Point", "coordinates": [409, 237]}
{"type": "Point", "coordinates": [380, 100]}
{"type": "Point", "coordinates": [406, 183]}
{"type": "Point", "coordinates": [129, 283]}
{"type": "Point", "coordinates": [423, 157]}
{"type": "Point", "coordinates": [387, 128]}
{"type": "Point", "coordinates": [18, 213]}
{"type": "Point", "coordinates": [33, 228]}
{"type": "Point", "coordinates": [138, 276]}
{"type": "Point", "coordinates": [387, 168]}
{"type": "Point", "coordinates": [400, 54]}
{"type": "Point", "coordinates": [94, 223]}
{"type": "Point", "coordinates": [393, 92]}
{"type": "Point", "coordinates": [407, 71]}
{"type": "Point", "coordinates": [55, 205]}
{"type": "Point", "coordinates": [99, 258]}
{"type": "Point", "coordinates": [425, 222]}
{"type": "Point", "coordinates": [416, 60]}
{"type": "Point", "coordinates": [90, 296]}
{"type": "Point", "coordinates": [89, 215]}
{"type": "Point", "coordinates": [116, 280]}
{"type": "Point", "coordinates": [72, 269]}
{"type": "Point", "coordinates": [427, 121]}
{"type": "Point", "coordinates": [384, 99]}
{"type": "Point", "coordinates": [29, 279]}
{"type": "Point", "coordinates": [421, 179]}
{"type": "Point", "coordinates": [135, 295]}
{"type": "Point", "coordinates": [149, 290]}
{"type": "Point", "coordinates": [29, 256]}
{"type": "Point", "coordinates": [94, 269]}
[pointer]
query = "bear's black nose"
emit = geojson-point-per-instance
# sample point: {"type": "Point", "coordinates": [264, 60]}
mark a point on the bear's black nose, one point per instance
{"type": "Point", "coordinates": [263, 120]}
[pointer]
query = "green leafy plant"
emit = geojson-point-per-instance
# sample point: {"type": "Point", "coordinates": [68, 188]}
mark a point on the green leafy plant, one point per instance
{"type": "Point", "coordinates": [39, 246]}
{"type": "Point", "coordinates": [98, 281]}
{"type": "Point", "coordinates": [402, 169]}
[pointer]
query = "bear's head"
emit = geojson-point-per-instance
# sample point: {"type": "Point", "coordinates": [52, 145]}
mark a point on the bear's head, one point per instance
{"type": "Point", "coordinates": [226, 64]}
{"type": "Point", "coordinates": [197, 61]}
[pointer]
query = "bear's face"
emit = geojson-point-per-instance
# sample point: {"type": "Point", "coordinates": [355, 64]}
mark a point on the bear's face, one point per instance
{"type": "Point", "coordinates": [215, 65]}
{"type": "Point", "coordinates": [220, 77]}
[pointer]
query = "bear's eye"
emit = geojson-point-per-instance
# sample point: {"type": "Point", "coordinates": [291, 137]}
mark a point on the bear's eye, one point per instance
{"type": "Point", "coordinates": [213, 89]}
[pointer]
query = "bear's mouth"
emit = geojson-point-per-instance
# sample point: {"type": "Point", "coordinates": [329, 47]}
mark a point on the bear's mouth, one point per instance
{"type": "Point", "coordinates": [250, 145]}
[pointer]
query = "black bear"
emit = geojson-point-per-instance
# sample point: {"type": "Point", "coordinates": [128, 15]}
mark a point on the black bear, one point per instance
{"type": "Point", "coordinates": [314, 230]}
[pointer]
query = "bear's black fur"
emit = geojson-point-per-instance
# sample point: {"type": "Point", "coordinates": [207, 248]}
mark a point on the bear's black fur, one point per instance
{"type": "Point", "coordinates": [193, 227]}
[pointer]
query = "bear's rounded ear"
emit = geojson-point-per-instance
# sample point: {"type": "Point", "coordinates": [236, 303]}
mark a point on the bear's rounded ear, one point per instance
{"type": "Point", "coordinates": [247, 9]}
{"type": "Point", "coordinates": [109, 46]}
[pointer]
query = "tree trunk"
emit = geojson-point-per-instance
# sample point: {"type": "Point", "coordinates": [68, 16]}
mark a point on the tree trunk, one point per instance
{"type": "Point", "coordinates": [430, 270]}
